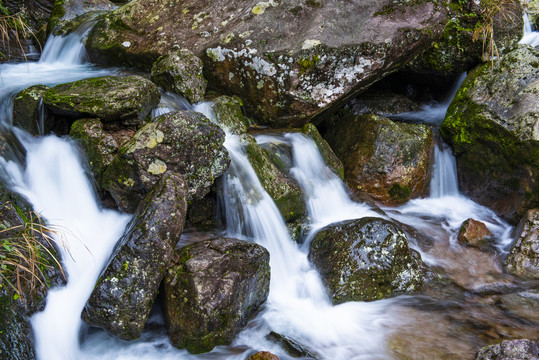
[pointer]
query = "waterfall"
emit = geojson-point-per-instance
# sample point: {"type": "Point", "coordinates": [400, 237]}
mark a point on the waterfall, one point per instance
{"type": "Point", "coordinates": [444, 180]}
{"type": "Point", "coordinates": [530, 36]}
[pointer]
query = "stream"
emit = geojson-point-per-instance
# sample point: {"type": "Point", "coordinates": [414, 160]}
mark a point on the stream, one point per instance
{"type": "Point", "coordinates": [450, 319]}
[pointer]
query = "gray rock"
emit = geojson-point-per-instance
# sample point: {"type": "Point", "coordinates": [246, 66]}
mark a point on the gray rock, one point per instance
{"type": "Point", "coordinates": [26, 110]}
{"type": "Point", "coordinates": [228, 110]}
{"type": "Point", "coordinates": [123, 295]}
{"type": "Point", "coordinates": [365, 259]}
{"type": "Point", "coordinates": [388, 161]}
{"type": "Point", "coordinates": [521, 349]}
{"type": "Point", "coordinates": [180, 72]}
{"type": "Point", "coordinates": [184, 142]}
{"type": "Point", "coordinates": [211, 293]}
{"type": "Point", "coordinates": [523, 259]}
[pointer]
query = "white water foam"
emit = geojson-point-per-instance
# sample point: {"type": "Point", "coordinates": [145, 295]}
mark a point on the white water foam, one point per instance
{"type": "Point", "coordinates": [530, 37]}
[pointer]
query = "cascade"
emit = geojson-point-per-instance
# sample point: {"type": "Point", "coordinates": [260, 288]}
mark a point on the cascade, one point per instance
{"type": "Point", "coordinates": [531, 37]}
{"type": "Point", "coordinates": [54, 180]}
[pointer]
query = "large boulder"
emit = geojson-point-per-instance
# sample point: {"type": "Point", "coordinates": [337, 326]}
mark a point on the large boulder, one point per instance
{"type": "Point", "coordinates": [123, 295]}
{"type": "Point", "coordinates": [211, 293]}
{"type": "Point", "coordinates": [64, 10]}
{"type": "Point", "coordinates": [184, 142]}
{"type": "Point", "coordinates": [228, 110]}
{"type": "Point", "coordinates": [180, 72]}
{"type": "Point", "coordinates": [465, 37]}
{"type": "Point", "coordinates": [492, 125]}
{"type": "Point", "coordinates": [27, 110]}
{"type": "Point", "coordinates": [320, 55]}
{"type": "Point", "coordinates": [473, 233]}
{"type": "Point", "coordinates": [365, 259]}
{"type": "Point", "coordinates": [283, 189]}
{"type": "Point", "coordinates": [387, 160]}
{"type": "Point", "coordinates": [521, 349]}
{"type": "Point", "coordinates": [125, 99]}
{"type": "Point", "coordinates": [523, 260]}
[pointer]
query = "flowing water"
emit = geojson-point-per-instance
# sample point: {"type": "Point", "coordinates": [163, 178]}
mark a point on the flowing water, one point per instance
{"type": "Point", "coordinates": [54, 179]}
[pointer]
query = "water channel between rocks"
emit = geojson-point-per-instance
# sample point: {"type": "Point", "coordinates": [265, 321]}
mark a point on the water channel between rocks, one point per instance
{"type": "Point", "coordinates": [448, 320]}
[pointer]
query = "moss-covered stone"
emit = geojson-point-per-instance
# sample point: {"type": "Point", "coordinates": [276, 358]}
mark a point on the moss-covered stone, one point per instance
{"type": "Point", "coordinates": [283, 190]}
{"type": "Point", "coordinates": [510, 349]}
{"type": "Point", "coordinates": [184, 142]}
{"type": "Point", "coordinates": [523, 259]}
{"type": "Point", "coordinates": [492, 125]}
{"type": "Point", "coordinates": [328, 155]}
{"type": "Point", "coordinates": [27, 110]}
{"type": "Point", "coordinates": [211, 293]}
{"type": "Point", "coordinates": [180, 72]}
{"type": "Point", "coordinates": [228, 110]}
{"type": "Point", "coordinates": [126, 99]}
{"type": "Point", "coordinates": [388, 161]}
{"type": "Point", "coordinates": [123, 295]}
{"type": "Point", "coordinates": [364, 260]}
{"type": "Point", "coordinates": [99, 147]}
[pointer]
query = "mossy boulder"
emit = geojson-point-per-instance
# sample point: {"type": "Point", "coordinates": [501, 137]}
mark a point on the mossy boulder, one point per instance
{"type": "Point", "coordinates": [387, 160]}
{"type": "Point", "coordinates": [127, 99]}
{"type": "Point", "coordinates": [228, 110]}
{"type": "Point", "coordinates": [457, 50]}
{"type": "Point", "coordinates": [16, 335]}
{"type": "Point", "coordinates": [283, 189]}
{"type": "Point", "coordinates": [27, 109]}
{"type": "Point", "coordinates": [365, 259]}
{"type": "Point", "coordinates": [184, 142]}
{"type": "Point", "coordinates": [331, 160]}
{"type": "Point", "coordinates": [492, 125]}
{"type": "Point", "coordinates": [99, 146]}
{"type": "Point", "coordinates": [64, 10]}
{"type": "Point", "coordinates": [523, 260]}
{"type": "Point", "coordinates": [522, 349]}
{"type": "Point", "coordinates": [180, 72]}
{"type": "Point", "coordinates": [211, 293]}
{"type": "Point", "coordinates": [319, 56]}
{"type": "Point", "coordinates": [123, 295]}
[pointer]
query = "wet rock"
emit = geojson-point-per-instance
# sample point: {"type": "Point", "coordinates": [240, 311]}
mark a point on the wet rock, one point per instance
{"type": "Point", "coordinates": [26, 110]}
{"type": "Point", "coordinates": [291, 347]}
{"type": "Point", "coordinates": [203, 211]}
{"type": "Point", "coordinates": [16, 335]}
{"type": "Point", "coordinates": [228, 109]}
{"type": "Point", "coordinates": [457, 50]}
{"type": "Point", "coordinates": [263, 355]}
{"type": "Point", "coordinates": [211, 293]}
{"type": "Point", "coordinates": [330, 159]}
{"type": "Point", "coordinates": [180, 72]}
{"type": "Point", "coordinates": [64, 10]}
{"type": "Point", "coordinates": [126, 99]}
{"type": "Point", "coordinates": [365, 259]}
{"type": "Point", "coordinates": [381, 103]}
{"type": "Point", "coordinates": [389, 161]}
{"type": "Point", "coordinates": [521, 349]}
{"type": "Point", "coordinates": [492, 125]}
{"type": "Point", "coordinates": [320, 55]}
{"type": "Point", "coordinates": [473, 233]}
{"type": "Point", "coordinates": [523, 260]}
{"type": "Point", "coordinates": [99, 146]}
{"type": "Point", "coordinates": [80, 23]}
{"type": "Point", "coordinates": [523, 304]}
{"type": "Point", "coordinates": [283, 190]}
{"type": "Point", "coordinates": [184, 142]}
{"type": "Point", "coordinates": [10, 146]}
{"type": "Point", "coordinates": [123, 295]}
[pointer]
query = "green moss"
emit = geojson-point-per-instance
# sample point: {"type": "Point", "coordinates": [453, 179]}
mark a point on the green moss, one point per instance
{"type": "Point", "coordinates": [308, 63]}
{"type": "Point", "coordinates": [399, 193]}
{"type": "Point", "coordinates": [57, 13]}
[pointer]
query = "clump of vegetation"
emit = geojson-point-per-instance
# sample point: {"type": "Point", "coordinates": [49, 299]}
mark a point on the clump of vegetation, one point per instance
{"type": "Point", "coordinates": [13, 27]}
{"type": "Point", "coordinates": [26, 254]}
{"type": "Point", "coordinates": [491, 10]}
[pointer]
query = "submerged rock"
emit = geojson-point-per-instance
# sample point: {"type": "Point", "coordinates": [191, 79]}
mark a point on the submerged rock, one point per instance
{"type": "Point", "coordinates": [365, 259]}
{"type": "Point", "coordinates": [126, 99]}
{"type": "Point", "coordinates": [211, 293]}
{"type": "Point", "coordinates": [263, 355]}
{"type": "Point", "coordinates": [184, 142]}
{"type": "Point", "coordinates": [319, 56]}
{"type": "Point", "coordinates": [123, 295]}
{"type": "Point", "coordinates": [492, 125]}
{"type": "Point", "coordinates": [283, 189]}
{"type": "Point", "coordinates": [473, 233]}
{"type": "Point", "coordinates": [180, 72]}
{"type": "Point", "coordinates": [291, 347]}
{"type": "Point", "coordinates": [521, 349]}
{"type": "Point", "coordinates": [523, 260]}
{"type": "Point", "coordinates": [27, 109]}
{"type": "Point", "coordinates": [389, 161]}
